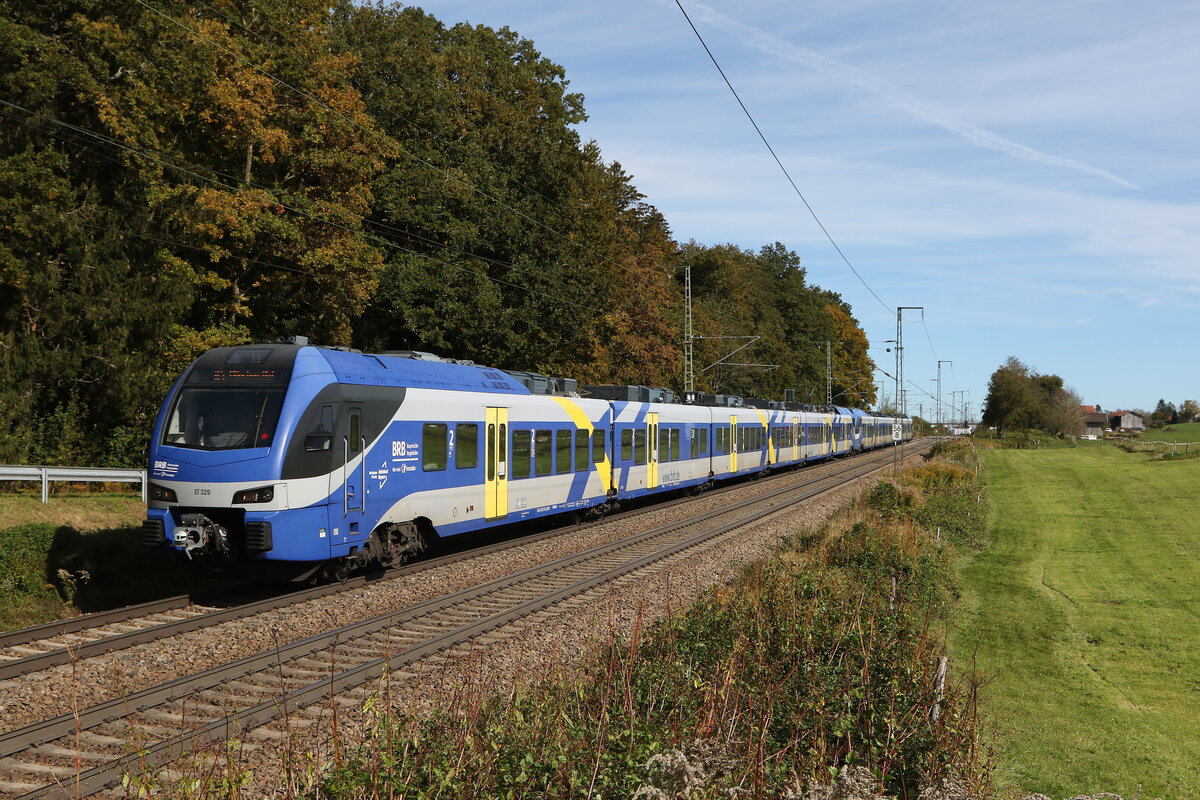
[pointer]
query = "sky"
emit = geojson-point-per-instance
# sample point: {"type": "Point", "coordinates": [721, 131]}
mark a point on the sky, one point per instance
{"type": "Point", "coordinates": [1027, 172]}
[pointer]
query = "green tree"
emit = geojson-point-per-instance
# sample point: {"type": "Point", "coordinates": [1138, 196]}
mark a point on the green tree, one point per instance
{"type": "Point", "coordinates": [1014, 399]}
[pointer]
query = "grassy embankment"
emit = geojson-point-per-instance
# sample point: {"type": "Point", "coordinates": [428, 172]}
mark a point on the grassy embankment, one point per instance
{"type": "Point", "coordinates": [823, 657]}
{"type": "Point", "coordinates": [1087, 620]}
{"type": "Point", "coordinates": [78, 553]}
{"type": "Point", "coordinates": [1183, 432]}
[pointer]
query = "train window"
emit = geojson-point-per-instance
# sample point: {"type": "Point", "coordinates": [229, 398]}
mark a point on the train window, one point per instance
{"type": "Point", "coordinates": [693, 442]}
{"type": "Point", "coordinates": [722, 440]}
{"type": "Point", "coordinates": [674, 444]}
{"type": "Point", "coordinates": [320, 438]}
{"type": "Point", "coordinates": [466, 446]}
{"type": "Point", "coordinates": [639, 446]}
{"type": "Point", "coordinates": [562, 451]}
{"type": "Point", "coordinates": [491, 452]}
{"type": "Point", "coordinates": [664, 443]}
{"type": "Point", "coordinates": [702, 440]}
{"type": "Point", "coordinates": [543, 457]}
{"type": "Point", "coordinates": [627, 444]}
{"type": "Point", "coordinates": [582, 462]}
{"type": "Point", "coordinates": [520, 454]}
{"type": "Point", "coordinates": [598, 446]}
{"type": "Point", "coordinates": [356, 432]}
{"type": "Point", "coordinates": [502, 455]}
{"type": "Point", "coordinates": [433, 445]}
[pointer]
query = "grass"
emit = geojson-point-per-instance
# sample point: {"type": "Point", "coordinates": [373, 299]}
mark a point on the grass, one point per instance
{"type": "Point", "coordinates": [78, 553]}
{"type": "Point", "coordinates": [1183, 432]}
{"type": "Point", "coordinates": [82, 510]}
{"type": "Point", "coordinates": [1083, 613]}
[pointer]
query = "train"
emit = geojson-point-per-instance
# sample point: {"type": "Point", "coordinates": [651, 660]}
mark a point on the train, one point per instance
{"type": "Point", "coordinates": [297, 461]}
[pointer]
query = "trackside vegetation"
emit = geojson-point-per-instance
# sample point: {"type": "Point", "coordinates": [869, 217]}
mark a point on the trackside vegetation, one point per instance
{"type": "Point", "coordinates": [822, 658]}
{"type": "Point", "coordinates": [1083, 616]}
{"type": "Point", "coordinates": [49, 571]}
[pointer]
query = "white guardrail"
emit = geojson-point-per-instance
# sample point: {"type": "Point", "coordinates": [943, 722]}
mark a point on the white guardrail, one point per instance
{"type": "Point", "coordinates": [45, 475]}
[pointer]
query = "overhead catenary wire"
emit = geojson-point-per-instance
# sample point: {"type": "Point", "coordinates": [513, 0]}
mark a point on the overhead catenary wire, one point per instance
{"type": "Point", "coordinates": [771, 149]}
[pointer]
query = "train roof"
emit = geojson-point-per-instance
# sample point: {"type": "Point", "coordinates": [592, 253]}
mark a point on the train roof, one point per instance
{"type": "Point", "coordinates": [277, 363]}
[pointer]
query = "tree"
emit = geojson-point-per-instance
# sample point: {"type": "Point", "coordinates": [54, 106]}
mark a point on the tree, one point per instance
{"type": "Point", "coordinates": [1014, 400]}
{"type": "Point", "coordinates": [1064, 416]}
{"type": "Point", "coordinates": [1189, 410]}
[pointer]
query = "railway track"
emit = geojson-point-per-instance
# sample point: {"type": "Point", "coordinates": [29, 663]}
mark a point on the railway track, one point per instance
{"type": "Point", "coordinates": [51, 644]}
{"type": "Point", "coordinates": [79, 754]}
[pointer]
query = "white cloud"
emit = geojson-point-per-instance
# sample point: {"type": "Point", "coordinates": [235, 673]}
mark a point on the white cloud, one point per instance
{"type": "Point", "coordinates": [767, 43]}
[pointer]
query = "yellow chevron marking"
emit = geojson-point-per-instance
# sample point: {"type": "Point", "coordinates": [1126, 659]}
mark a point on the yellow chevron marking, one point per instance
{"type": "Point", "coordinates": [581, 421]}
{"type": "Point", "coordinates": [770, 445]}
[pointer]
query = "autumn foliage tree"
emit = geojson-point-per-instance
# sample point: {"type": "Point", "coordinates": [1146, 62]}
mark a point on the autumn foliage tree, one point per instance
{"type": "Point", "coordinates": [178, 176]}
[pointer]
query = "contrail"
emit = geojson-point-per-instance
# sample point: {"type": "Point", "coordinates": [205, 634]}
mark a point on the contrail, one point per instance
{"type": "Point", "coordinates": [765, 42]}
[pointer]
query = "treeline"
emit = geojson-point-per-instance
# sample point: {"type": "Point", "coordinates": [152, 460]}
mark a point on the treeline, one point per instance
{"type": "Point", "coordinates": [178, 176]}
{"type": "Point", "coordinates": [1168, 414]}
{"type": "Point", "coordinates": [1020, 398]}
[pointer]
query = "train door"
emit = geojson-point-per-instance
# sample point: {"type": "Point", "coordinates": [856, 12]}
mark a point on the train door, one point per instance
{"type": "Point", "coordinates": [827, 435]}
{"type": "Point", "coordinates": [652, 450]}
{"type": "Point", "coordinates": [796, 433]}
{"type": "Point", "coordinates": [495, 501]}
{"type": "Point", "coordinates": [733, 444]}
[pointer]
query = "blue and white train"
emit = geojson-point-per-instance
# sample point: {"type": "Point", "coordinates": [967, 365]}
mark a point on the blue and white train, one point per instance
{"type": "Point", "coordinates": [290, 458]}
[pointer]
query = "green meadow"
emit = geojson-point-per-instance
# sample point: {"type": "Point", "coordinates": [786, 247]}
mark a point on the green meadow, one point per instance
{"type": "Point", "coordinates": [1083, 613]}
{"type": "Point", "coordinates": [1183, 432]}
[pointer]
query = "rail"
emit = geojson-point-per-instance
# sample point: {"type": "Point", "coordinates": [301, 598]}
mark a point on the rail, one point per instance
{"type": "Point", "coordinates": [47, 475]}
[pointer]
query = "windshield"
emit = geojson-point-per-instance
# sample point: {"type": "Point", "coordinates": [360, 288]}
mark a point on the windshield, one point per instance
{"type": "Point", "coordinates": [224, 418]}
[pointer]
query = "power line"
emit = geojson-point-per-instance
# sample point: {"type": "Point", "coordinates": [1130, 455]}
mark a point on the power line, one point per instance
{"type": "Point", "coordinates": [786, 174]}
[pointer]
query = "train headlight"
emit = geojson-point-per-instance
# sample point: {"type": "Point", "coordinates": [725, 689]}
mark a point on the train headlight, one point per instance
{"type": "Point", "coordinates": [263, 494]}
{"type": "Point", "coordinates": [162, 494]}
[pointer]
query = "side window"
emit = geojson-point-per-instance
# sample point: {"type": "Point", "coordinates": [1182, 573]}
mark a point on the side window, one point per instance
{"type": "Point", "coordinates": [520, 454]}
{"type": "Point", "coordinates": [543, 456]}
{"type": "Point", "coordinates": [627, 445]}
{"type": "Point", "coordinates": [502, 455]}
{"type": "Point", "coordinates": [320, 438]}
{"type": "Point", "coordinates": [355, 431]}
{"type": "Point", "coordinates": [466, 453]}
{"type": "Point", "coordinates": [491, 449]}
{"type": "Point", "coordinates": [702, 439]}
{"type": "Point", "coordinates": [674, 444]}
{"type": "Point", "coordinates": [562, 451]}
{"type": "Point", "coordinates": [639, 446]}
{"type": "Point", "coordinates": [664, 443]}
{"type": "Point", "coordinates": [433, 446]}
{"type": "Point", "coordinates": [582, 462]}
{"type": "Point", "coordinates": [598, 446]}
